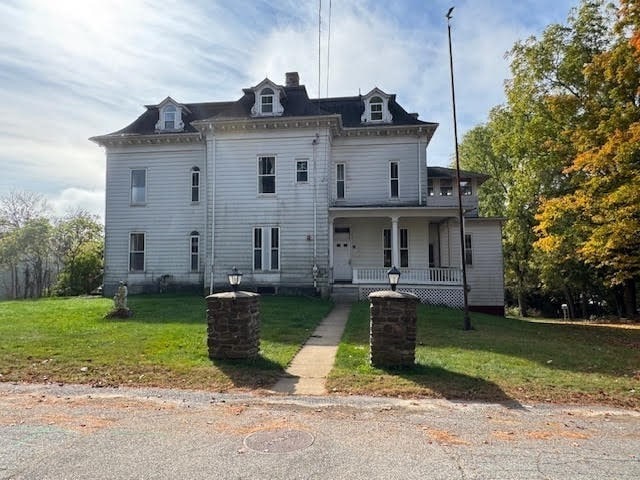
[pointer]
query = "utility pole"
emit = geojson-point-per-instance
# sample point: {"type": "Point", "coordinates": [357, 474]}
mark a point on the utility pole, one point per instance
{"type": "Point", "coordinates": [467, 319]}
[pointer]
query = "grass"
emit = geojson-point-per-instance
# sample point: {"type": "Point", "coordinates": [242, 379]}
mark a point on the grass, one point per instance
{"type": "Point", "coordinates": [163, 344]}
{"type": "Point", "coordinates": [503, 360]}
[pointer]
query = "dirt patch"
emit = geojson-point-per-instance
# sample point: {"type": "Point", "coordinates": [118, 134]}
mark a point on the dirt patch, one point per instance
{"type": "Point", "coordinates": [444, 437]}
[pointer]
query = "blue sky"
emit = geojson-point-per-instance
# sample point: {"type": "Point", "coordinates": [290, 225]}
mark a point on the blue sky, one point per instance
{"type": "Point", "coordinates": [74, 69]}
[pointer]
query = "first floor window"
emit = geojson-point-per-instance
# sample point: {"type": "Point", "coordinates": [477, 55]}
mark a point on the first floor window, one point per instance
{"type": "Point", "coordinates": [266, 248]}
{"type": "Point", "coordinates": [136, 252]}
{"type": "Point", "coordinates": [195, 184]}
{"type": "Point", "coordinates": [340, 180]}
{"type": "Point", "coordinates": [394, 181]}
{"type": "Point", "coordinates": [266, 175]}
{"type": "Point", "coordinates": [195, 251]}
{"type": "Point", "coordinates": [432, 256]}
{"type": "Point", "coordinates": [302, 171]}
{"type": "Point", "coordinates": [404, 248]}
{"type": "Point", "coordinates": [468, 250]}
{"type": "Point", "coordinates": [387, 248]}
{"type": "Point", "coordinates": [138, 186]}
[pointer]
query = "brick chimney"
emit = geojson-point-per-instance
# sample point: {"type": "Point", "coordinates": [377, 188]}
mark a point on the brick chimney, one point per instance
{"type": "Point", "coordinates": [292, 79]}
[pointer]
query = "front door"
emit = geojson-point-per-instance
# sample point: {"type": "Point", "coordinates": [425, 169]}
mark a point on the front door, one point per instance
{"type": "Point", "coordinates": [342, 255]}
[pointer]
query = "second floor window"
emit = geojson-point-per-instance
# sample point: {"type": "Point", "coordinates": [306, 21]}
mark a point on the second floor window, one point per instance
{"type": "Point", "coordinates": [302, 171]}
{"type": "Point", "coordinates": [138, 186]}
{"type": "Point", "coordinates": [340, 180]}
{"type": "Point", "coordinates": [430, 187]}
{"type": "Point", "coordinates": [195, 184]}
{"type": "Point", "coordinates": [266, 175]}
{"type": "Point", "coordinates": [465, 187]}
{"type": "Point", "coordinates": [446, 187]}
{"type": "Point", "coordinates": [394, 180]}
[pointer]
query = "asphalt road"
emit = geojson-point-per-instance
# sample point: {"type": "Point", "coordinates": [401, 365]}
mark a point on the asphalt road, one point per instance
{"type": "Point", "coordinates": [79, 432]}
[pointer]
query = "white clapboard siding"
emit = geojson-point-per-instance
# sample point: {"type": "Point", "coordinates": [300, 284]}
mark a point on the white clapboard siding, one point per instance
{"type": "Point", "coordinates": [239, 208]}
{"type": "Point", "coordinates": [167, 218]}
{"type": "Point", "coordinates": [366, 162]}
{"type": "Point", "coordinates": [485, 276]}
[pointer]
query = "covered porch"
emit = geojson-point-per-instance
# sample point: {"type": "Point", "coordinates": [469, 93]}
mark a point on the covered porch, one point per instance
{"type": "Point", "coordinates": [420, 241]}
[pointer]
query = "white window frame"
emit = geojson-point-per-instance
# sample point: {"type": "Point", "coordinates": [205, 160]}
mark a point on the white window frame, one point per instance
{"type": "Point", "coordinates": [468, 249]}
{"type": "Point", "coordinates": [448, 190]}
{"type": "Point", "coordinates": [267, 248]}
{"type": "Point", "coordinates": [261, 176]}
{"type": "Point", "coordinates": [169, 111]}
{"type": "Point", "coordinates": [195, 184]}
{"type": "Point", "coordinates": [395, 179]}
{"type": "Point", "coordinates": [194, 255]}
{"type": "Point", "coordinates": [270, 103]}
{"type": "Point", "coordinates": [133, 201]}
{"type": "Point", "coordinates": [304, 171]}
{"type": "Point", "coordinates": [342, 181]}
{"type": "Point", "coordinates": [466, 187]}
{"type": "Point", "coordinates": [377, 113]}
{"type": "Point", "coordinates": [137, 252]}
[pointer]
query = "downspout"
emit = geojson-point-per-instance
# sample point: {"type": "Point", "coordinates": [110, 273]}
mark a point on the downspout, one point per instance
{"type": "Point", "coordinates": [419, 174]}
{"type": "Point", "coordinates": [206, 205]}
{"type": "Point", "coordinates": [213, 208]}
{"type": "Point", "coordinates": [315, 212]}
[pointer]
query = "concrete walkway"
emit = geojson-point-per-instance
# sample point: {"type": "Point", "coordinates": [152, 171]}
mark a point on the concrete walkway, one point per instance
{"type": "Point", "coordinates": [309, 368]}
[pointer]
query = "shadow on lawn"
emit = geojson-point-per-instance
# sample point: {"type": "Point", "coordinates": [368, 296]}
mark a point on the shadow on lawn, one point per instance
{"type": "Point", "coordinates": [455, 386]}
{"type": "Point", "coordinates": [259, 372]}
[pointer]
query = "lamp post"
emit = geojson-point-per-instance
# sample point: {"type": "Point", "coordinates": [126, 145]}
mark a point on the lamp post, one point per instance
{"type": "Point", "coordinates": [467, 320]}
{"type": "Point", "coordinates": [394, 277]}
{"type": "Point", "coordinates": [235, 278]}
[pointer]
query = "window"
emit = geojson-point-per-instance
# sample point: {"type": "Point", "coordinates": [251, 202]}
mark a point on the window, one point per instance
{"type": "Point", "coordinates": [446, 187]}
{"type": "Point", "coordinates": [195, 251]}
{"type": "Point", "coordinates": [136, 252]}
{"type": "Point", "coordinates": [465, 187]}
{"type": "Point", "coordinates": [169, 117]}
{"type": "Point", "coordinates": [266, 248]}
{"type": "Point", "coordinates": [138, 186]}
{"type": "Point", "coordinates": [393, 180]}
{"type": "Point", "coordinates": [266, 175]}
{"type": "Point", "coordinates": [404, 248]}
{"type": "Point", "coordinates": [386, 247]}
{"type": "Point", "coordinates": [340, 180]}
{"type": "Point", "coordinates": [266, 100]}
{"type": "Point", "coordinates": [430, 187]}
{"type": "Point", "coordinates": [468, 250]}
{"type": "Point", "coordinates": [432, 257]}
{"type": "Point", "coordinates": [302, 171]}
{"type": "Point", "coordinates": [195, 184]}
{"type": "Point", "coordinates": [376, 108]}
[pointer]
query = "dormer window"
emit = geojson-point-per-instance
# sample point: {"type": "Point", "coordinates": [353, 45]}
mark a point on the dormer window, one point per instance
{"type": "Point", "coordinates": [169, 117]}
{"type": "Point", "coordinates": [266, 100]}
{"type": "Point", "coordinates": [376, 108]}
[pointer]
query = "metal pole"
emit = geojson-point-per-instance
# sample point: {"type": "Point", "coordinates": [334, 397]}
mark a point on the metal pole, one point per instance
{"type": "Point", "coordinates": [467, 319]}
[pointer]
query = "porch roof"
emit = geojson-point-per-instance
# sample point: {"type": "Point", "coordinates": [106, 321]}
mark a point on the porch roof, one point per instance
{"type": "Point", "coordinates": [359, 211]}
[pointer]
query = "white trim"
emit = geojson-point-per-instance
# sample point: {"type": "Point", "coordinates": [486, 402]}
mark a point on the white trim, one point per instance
{"type": "Point", "coordinates": [384, 113]}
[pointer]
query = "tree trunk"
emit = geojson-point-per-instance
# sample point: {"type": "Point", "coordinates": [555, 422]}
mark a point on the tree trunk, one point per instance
{"type": "Point", "coordinates": [522, 304]}
{"type": "Point", "coordinates": [630, 305]}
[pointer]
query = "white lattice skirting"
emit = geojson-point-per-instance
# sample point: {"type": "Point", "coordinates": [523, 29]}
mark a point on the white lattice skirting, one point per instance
{"type": "Point", "coordinates": [446, 296]}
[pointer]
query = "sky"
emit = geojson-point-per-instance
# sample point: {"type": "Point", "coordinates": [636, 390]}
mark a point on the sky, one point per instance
{"type": "Point", "coordinates": [72, 69]}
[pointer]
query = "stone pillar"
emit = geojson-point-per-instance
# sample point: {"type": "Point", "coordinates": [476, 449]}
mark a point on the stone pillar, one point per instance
{"type": "Point", "coordinates": [393, 317]}
{"type": "Point", "coordinates": [233, 325]}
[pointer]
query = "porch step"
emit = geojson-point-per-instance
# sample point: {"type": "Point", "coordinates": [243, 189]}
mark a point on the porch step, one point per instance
{"type": "Point", "coordinates": [344, 293]}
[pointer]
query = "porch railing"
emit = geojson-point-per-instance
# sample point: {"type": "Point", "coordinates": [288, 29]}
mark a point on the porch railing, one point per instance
{"type": "Point", "coordinates": [430, 276]}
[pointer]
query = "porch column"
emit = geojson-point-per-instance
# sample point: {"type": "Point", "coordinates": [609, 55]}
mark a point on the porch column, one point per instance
{"type": "Point", "coordinates": [331, 228]}
{"type": "Point", "coordinates": [395, 243]}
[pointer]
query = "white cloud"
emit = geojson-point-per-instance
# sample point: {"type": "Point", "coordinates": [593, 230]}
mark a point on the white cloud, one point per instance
{"type": "Point", "coordinates": [73, 199]}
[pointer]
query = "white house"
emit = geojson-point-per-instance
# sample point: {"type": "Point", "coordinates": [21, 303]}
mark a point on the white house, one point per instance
{"type": "Point", "coordinates": [316, 195]}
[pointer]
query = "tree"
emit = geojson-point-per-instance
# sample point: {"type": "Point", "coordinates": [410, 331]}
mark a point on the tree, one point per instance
{"type": "Point", "coordinates": [78, 245]}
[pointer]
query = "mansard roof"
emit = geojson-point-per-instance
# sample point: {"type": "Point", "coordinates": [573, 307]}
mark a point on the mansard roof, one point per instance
{"type": "Point", "coordinates": [295, 101]}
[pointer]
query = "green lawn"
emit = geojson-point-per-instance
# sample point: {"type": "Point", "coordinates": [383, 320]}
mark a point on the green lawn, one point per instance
{"type": "Point", "coordinates": [163, 344]}
{"type": "Point", "coordinates": [503, 359]}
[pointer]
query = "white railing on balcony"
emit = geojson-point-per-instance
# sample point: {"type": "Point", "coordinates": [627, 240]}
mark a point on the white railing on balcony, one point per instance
{"type": "Point", "coordinates": [410, 276]}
